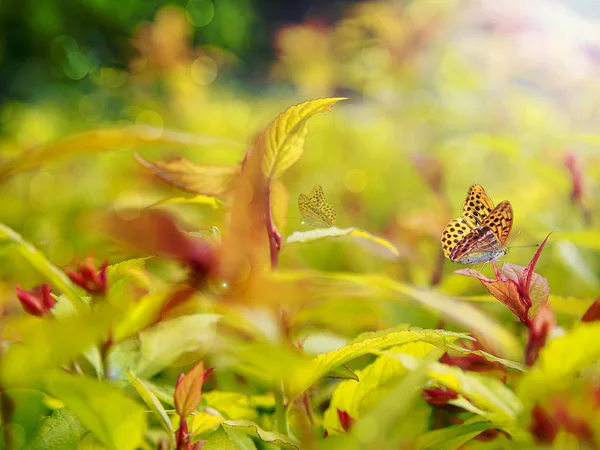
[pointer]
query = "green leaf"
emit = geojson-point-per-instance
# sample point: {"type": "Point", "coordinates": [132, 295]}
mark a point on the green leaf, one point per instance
{"type": "Point", "coordinates": [200, 179]}
{"type": "Point", "coordinates": [497, 402]}
{"type": "Point", "coordinates": [144, 313]}
{"type": "Point", "coordinates": [368, 343]}
{"type": "Point", "coordinates": [188, 391]}
{"type": "Point", "coordinates": [165, 342]}
{"type": "Point", "coordinates": [373, 243]}
{"type": "Point", "coordinates": [13, 241]}
{"type": "Point", "coordinates": [61, 431]}
{"type": "Point", "coordinates": [454, 437]}
{"type": "Point", "coordinates": [253, 429]}
{"type": "Point", "coordinates": [22, 410]}
{"type": "Point", "coordinates": [46, 344]}
{"type": "Point", "coordinates": [203, 422]}
{"type": "Point", "coordinates": [284, 139]}
{"type": "Point", "coordinates": [106, 139]}
{"type": "Point", "coordinates": [122, 278]}
{"type": "Point", "coordinates": [219, 441]}
{"type": "Point", "coordinates": [116, 420]}
{"type": "Point", "coordinates": [560, 361]}
{"type": "Point", "coordinates": [373, 383]}
{"type": "Point", "coordinates": [232, 405]}
{"type": "Point", "coordinates": [242, 440]}
{"type": "Point", "coordinates": [394, 418]}
{"type": "Point", "coordinates": [154, 404]}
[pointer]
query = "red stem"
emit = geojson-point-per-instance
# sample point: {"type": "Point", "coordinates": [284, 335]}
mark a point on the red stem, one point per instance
{"type": "Point", "coordinates": [274, 236]}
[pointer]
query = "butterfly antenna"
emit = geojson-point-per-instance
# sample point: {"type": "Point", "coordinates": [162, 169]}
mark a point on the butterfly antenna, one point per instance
{"type": "Point", "coordinates": [520, 246]}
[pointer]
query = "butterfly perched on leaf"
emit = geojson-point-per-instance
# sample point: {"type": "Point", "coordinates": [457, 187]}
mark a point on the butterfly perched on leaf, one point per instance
{"type": "Point", "coordinates": [481, 233]}
{"type": "Point", "coordinates": [314, 210]}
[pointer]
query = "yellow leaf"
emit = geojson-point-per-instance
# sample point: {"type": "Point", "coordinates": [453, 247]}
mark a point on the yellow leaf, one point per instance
{"type": "Point", "coordinates": [197, 199]}
{"type": "Point", "coordinates": [284, 138]}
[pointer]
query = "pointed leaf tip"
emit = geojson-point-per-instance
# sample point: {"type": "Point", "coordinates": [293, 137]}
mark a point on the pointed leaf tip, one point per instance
{"type": "Point", "coordinates": [188, 391]}
{"type": "Point", "coordinates": [534, 260]}
{"type": "Point", "coordinates": [283, 140]}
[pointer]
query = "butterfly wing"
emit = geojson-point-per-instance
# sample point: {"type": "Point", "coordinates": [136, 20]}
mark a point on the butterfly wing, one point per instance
{"type": "Point", "coordinates": [303, 205]}
{"type": "Point", "coordinates": [476, 207]}
{"type": "Point", "coordinates": [454, 233]}
{"type": "Point", "coordinates": [500, 221]}
{"type": "Point", "coordinates": [317, 196]}
{"type": "Point", "coordinates": [327, 213]}
{"type": "Point", "coordinates": [480, 245]}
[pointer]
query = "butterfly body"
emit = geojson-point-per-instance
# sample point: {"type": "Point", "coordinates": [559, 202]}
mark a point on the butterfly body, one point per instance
{"type": "Point", "coordinates": [315, 211]}
{"type": "Point", "coordinates": [481, 233]}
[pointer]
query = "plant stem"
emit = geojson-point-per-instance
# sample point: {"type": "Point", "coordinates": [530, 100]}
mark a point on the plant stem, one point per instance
{"type": "Point", "coordinates": [280, 408]}
{"type": "Point", "coordinates": [274, 236]}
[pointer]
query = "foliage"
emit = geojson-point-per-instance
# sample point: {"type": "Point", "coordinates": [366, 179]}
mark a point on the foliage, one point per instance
{"type": "Point", "coordinates": [159, 290]}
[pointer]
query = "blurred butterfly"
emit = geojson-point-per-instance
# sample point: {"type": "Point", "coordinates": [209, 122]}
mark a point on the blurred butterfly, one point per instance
{"type": "Point", "coordinates": [481, 233]}
{"type": "Point", "coordinates": [315, 211]}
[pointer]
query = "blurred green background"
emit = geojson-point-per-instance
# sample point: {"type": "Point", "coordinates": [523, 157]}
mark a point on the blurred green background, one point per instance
{"type": "Point", "coordinates": [442, 94]}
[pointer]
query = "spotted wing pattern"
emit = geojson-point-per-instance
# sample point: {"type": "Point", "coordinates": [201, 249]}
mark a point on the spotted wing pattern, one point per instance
{"type": "Point", "coordinates": [454, 233]}
{"type": "Point", "coordinates": [480, 245]}
{"type": "Point", "coordinates": [315, 211]}
{"type": "Point", "coordinates": [317, 196]}
{"type": "Point", "coordinates": [482, 231]}
{"type": "Point", "coordinates": [500, 221]}
{"type": "Point", "coordinates": [477, 206]}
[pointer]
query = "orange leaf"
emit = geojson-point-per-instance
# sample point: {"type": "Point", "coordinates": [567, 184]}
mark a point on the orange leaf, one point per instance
{"type": "Point", "coordinates": [188, 391]}
{"type": "Point", "coordinates": [204, 179]}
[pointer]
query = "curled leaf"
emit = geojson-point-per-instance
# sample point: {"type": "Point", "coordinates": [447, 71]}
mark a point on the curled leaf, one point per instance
{"type": "Point", "coordinates": [106, 139]}
{"type": "Point", "coordinates": [200, 179]}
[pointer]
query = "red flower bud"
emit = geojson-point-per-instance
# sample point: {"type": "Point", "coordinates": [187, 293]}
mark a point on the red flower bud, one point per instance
{"type": "Point", "coordinates": [38, 302]}
{"type": "Point", "coordinates": [439, 395]}
{"type": "Point", "coordinates": [89, 278]}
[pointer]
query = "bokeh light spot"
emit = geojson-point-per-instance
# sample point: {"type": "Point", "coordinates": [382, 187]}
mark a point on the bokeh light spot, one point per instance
{"type": "Point", "coordinates": [110, 77]}
{"type": "Point", "coordinates": [356, 180]}
{"type": "Point", "coordinates": [152, 122]}
{"type": "Point", "coordinates": [200, 12]}
{"type": "Point", "coordinates": [204, 70]}
{"type": "Point", "coordinates": [61, 46]}
{"type": "Point", "coordinates": [75, 65]}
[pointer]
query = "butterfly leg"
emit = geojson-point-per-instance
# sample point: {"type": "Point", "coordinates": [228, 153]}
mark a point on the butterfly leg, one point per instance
{"type": "Point", "coordinates": [482, 267]}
